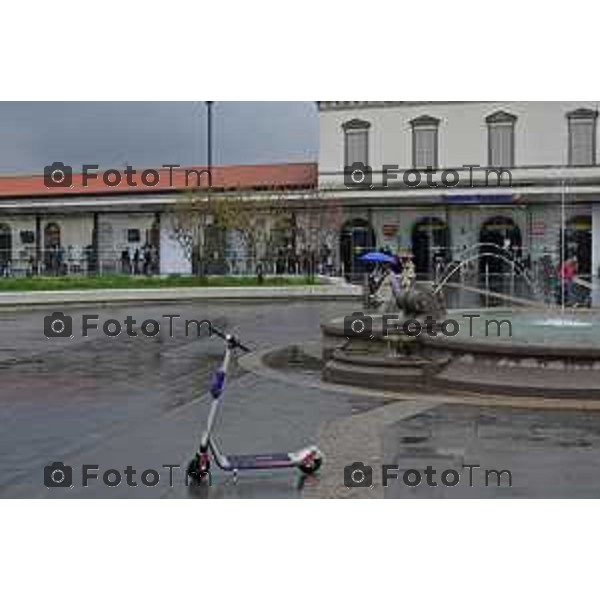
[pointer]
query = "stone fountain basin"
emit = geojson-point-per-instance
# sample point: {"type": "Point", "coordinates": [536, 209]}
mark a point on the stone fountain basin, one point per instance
{"type": "Point", "coordinates": [548, 355]}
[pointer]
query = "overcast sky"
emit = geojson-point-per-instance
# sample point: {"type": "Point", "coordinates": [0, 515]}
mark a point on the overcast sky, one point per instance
{"type": "Point", "coordinates": [34, 134]}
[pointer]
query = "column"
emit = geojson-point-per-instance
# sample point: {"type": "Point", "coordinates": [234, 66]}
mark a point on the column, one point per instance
{"type": "Point", "coordinates": [38, 244]}
{"type": "Point", "coordinates": [596, 255]}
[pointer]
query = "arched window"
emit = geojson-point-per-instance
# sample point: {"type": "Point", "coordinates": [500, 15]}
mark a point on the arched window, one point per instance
{"type": "Point", "coordinates": [425, 142]}
{"type": "Point", "coordinates": [357, 237]}
{"type": "Point", "coordinates": [501, 139]}
{"type": "Point", "coordinates": [356, 142]}
{"type": "Point", "coordinates": [430, 244]}
{"type": "Point", "coordinates": [578, 243]}
{"type": "Point", "coordinates": [501, 243]}
{"type": "Point", "coordinates": [582, 137]}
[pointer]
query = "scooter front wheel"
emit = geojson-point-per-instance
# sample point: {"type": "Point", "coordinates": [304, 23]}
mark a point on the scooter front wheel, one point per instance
{"type": "Point", "coordinates": [198, 470]}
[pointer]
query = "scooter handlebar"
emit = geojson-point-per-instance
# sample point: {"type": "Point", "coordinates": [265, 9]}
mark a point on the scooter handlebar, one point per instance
{"type": "Point", "coordinates": [229, 339]}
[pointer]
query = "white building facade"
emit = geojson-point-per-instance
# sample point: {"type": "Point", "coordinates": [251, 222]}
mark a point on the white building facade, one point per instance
{"type": "Point", "coordinates": [491, 172]}
{"type": "Point", "coordinates": [151, 230]}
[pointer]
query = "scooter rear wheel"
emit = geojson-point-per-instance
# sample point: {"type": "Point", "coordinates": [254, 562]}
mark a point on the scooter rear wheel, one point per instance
{"type": "Point", "coordinates": [311, 467]}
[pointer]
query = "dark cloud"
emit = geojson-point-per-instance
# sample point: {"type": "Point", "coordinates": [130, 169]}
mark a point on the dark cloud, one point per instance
{"type": "Point", "coordinates": [33, 134]}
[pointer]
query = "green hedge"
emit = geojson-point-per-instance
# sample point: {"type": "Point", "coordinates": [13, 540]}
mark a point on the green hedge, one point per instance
{"type": "Point", "coordinates": [32, 284]}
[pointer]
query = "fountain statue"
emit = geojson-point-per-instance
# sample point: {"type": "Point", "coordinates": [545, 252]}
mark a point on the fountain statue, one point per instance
{"type": "Point", "coordinates": [415, 302]}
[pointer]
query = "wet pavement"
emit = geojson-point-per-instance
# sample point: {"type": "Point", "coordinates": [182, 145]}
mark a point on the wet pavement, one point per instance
{"type": "Point", "coordinates": [508, 453]}
{"type": "Point", "coordinates": [141, 402]}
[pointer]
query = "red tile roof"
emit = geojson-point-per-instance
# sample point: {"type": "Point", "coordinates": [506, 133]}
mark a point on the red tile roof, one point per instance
{"type": "Point", "coordinates": [245, 177]}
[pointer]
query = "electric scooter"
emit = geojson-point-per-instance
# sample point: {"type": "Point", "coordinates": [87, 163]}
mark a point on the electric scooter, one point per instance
{"type": "Point", "coordinates": [308, 460]}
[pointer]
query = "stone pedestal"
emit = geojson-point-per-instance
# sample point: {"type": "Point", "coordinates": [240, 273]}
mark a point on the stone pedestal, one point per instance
{"type": "Point", "coordinates": [399, 365]}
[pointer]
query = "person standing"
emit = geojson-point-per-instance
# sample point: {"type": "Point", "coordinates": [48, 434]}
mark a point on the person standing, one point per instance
{"type": "Point", "coordinates": [125, 268]}
{"type": "Point", "coordinates": [136, 262]}
{"type": "Point", "coordinates": [568, 273]}
{"type": "Point", "coordinates": [148, 260]}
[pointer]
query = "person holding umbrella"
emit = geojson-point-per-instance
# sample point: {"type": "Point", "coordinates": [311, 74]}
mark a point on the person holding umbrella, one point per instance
{"type": "Point", "coordinates": [375, 279]}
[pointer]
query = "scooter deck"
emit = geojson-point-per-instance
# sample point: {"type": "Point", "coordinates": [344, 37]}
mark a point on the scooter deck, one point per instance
{"type": "Point", "coordinates": [248, 462]}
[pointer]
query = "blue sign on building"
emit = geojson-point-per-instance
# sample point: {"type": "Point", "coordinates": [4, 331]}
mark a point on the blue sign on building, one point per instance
{"type": "Point", "coordinates": [480, 199]}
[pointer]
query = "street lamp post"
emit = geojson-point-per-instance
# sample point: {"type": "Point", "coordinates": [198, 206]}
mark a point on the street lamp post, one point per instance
{"type": "Point", "coordinates": [209, 163]}
{"type": "Point", "coordinates": [209, 160]}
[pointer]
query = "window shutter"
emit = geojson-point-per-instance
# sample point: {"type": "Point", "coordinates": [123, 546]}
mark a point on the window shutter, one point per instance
{"type": "Point", "coordinates": [357, 147]}
{"type": "Point", "coordinates": [502, 144]}
{"type": "Point", "coordinates": [582, 133]}
{"type": "Point", "coordinates": [425, 139]}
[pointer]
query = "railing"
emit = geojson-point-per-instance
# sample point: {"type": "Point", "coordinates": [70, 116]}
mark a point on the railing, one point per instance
{"type": "Point", "coordinates": [55, 265]}
{"type": "Point", "coordinates": [89, 265]}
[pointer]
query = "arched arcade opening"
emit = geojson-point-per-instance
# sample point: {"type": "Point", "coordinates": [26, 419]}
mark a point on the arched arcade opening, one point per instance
{"type": "Point", "coordinates": [578, 242]}
{"type": "Point", "coordinates": [357, 238]}
{"type": "Point", "coordinates": [500, 239]}
{"type": "Point", "coordinates": [430, 245]}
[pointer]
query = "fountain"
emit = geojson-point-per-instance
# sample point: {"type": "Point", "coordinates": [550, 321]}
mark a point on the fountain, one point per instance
{"type": "Point", "coordinates": [539, 350]}
{"type": "Point", "coordinates": [474, 254]}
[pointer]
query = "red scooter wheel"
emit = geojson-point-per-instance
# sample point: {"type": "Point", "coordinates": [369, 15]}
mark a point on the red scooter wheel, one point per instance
{"type": "Point", "coordinates": [311, 465]}
{"type": "Point", "coordinates": [198, 470]}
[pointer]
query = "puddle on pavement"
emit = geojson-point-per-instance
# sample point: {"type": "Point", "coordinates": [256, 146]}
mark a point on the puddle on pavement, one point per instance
{"type": "Point", "coordinates": [8, 363]}
{"type": "Point", "coordinates": [293, 358]}
{"type": "Point", "coordinates": [414, 440]}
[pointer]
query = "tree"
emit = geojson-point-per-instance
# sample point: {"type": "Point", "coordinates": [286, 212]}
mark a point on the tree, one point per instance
{"type": "Point", "coordinates": [263, 223]}
{"type": "Point", "coordinates": [319, 228]}
{"type": "Point", "coordinates": [201, 223]}
{"type": "Point", "coordinates": [189, 219]}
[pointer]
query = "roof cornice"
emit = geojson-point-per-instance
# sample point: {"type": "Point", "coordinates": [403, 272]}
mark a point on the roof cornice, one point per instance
{"type": "Point", "coordinates": [354, 104]}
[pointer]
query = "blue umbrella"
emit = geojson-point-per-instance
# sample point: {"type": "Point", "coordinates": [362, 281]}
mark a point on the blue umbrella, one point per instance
{"type": "Point", "coordinates": [377, 257]}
